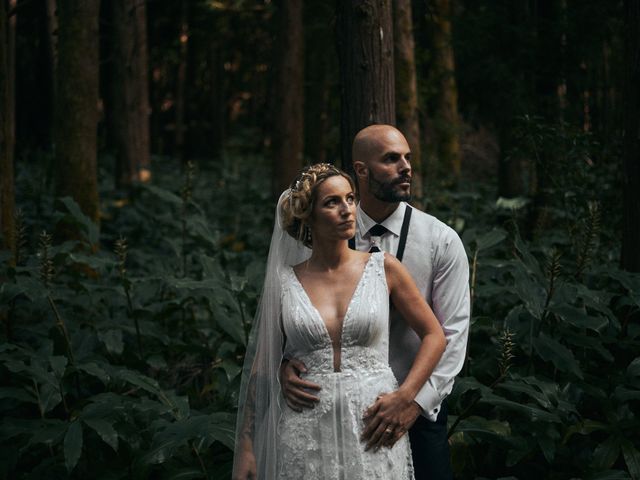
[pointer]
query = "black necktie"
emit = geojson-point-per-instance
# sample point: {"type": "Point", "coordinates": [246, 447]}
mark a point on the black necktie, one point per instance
{"type": "Point", "coordinates": [376, 231]}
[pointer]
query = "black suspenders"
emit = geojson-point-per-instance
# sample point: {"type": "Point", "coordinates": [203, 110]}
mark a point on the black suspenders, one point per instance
{"type": "Point", "coordinates": [403, 234]}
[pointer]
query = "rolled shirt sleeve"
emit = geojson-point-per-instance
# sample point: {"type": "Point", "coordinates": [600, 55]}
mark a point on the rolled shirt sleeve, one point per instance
{"type": "Point", "coordinates": [451, 306]}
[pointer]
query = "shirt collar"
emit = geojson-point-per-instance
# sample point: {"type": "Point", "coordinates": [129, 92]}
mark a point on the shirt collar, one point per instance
{"type": "Point", "coordinates": [393, 222]}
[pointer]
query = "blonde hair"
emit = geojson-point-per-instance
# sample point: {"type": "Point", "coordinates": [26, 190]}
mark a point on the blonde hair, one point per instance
{"type": "Point", "coordinates": [297, 206]}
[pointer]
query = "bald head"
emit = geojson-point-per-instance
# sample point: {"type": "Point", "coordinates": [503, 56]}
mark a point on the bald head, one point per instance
{"type": "Point", "coordinates": [382, 164]}
{"type": "Point", "coordinates": [371, 140]}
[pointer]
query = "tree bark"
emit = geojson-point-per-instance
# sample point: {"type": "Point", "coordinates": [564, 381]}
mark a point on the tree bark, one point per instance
{"type": "Point", "coordinates": [365, 51]}
{"type": "Point", "coordinates": [546, 80]}
{"type": "Point", "coordinates": [217, 99]}
{"type": "Point", "coordinates": [51, 66]}
{"type": "Point", "coordinates": [630, 259]}
{"type": "Point", "coordinates": [76, 110]}
{"type": "Point", "coordinates": [129, 90]}
{"type": "Point", "coordinates": [182, 81]}
{"type": "Point", "coordinates": [510, 179]}
{"type": "Point", "coordinates": [317, 98]}
{"type": "Point", "coordinates": [447, 125]}
{"type": "Point", "coordinates": [288, 131]}
{"type": "Point", "coordinates": [406, 88]}
{"type": "Point", "coordinates": [7, 130]}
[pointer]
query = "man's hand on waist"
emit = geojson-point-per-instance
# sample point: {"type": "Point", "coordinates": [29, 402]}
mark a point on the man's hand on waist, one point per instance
{"type": "Point", "coordinates": [295, 389]}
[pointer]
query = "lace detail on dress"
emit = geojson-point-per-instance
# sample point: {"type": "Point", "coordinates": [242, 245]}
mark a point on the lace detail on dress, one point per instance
{"type": "Point", "coordinates": [324, 442]}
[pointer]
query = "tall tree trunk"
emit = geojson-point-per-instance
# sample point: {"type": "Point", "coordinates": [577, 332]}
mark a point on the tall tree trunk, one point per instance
{"type": "Point", "coordinates": [7, 129]}
{"type": "Point", "coordinates": [140, 107]}
{"type": "Point", "coordinates": [288, 132]}
{"type": "Point", "coordinates": [365, 51]}
{"type": "Point", "coordinates": [183, 56]}
{"type": "Point", "coordinates": [77, 104]}
{"type": "Point", "coordinates": [52, 61]}
{"type": "Point", "coordinates": [406, 87]}
{"type": "Point", "coordinates": [447, 124]}
{"type": "Point", "coordinates": [129, 91]}
{"type": "Point", "coordinates": [217, 99]}
{"type": "Point", "coordinates": [548, 68]}
{"type": "Point", "coordinates": [510, 166]}
{"type": "Point", "coordinates": [631, 154]}
{"type": "Point", "coordinates": [317, 97]}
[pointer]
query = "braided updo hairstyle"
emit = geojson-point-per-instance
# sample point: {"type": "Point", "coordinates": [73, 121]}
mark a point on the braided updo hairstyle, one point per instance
{"type": "Point", "coordinates": [297, 206]}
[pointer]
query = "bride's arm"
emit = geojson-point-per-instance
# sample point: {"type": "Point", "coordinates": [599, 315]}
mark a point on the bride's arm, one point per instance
{"type": "Point", "coordinates": [393, 414]}
{"type": "Point", "coordinates": [244, 458]}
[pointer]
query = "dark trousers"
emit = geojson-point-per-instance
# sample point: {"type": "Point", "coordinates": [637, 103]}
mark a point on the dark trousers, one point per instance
{"type": "Point", "coordinates": [430, 448]}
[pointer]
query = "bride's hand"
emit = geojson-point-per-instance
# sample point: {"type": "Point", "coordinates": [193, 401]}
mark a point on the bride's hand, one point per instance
{"type": "Point", "coordinates": [388, 419]}
{"type": "Point", "coordinates": [245, 468]}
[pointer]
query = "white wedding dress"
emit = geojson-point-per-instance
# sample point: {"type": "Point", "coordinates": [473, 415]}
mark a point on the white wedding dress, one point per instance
{"type": "Point", "coordinates": [324, 442]}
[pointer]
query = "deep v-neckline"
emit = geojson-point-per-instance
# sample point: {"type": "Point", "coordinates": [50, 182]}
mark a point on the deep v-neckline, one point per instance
{"type": "Point", "coordinates": [346, 313]}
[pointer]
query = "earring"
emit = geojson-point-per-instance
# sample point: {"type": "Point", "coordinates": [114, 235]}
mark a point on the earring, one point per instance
{"type": "Point", "coordinates": [307, 234]}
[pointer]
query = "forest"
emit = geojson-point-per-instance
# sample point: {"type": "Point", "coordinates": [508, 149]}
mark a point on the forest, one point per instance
{"type": "Point", "coordinates": [143, 145]}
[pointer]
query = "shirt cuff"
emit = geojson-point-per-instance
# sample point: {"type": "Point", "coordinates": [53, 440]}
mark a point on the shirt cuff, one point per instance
{"type": "Point", "coordinates": [430, 402]}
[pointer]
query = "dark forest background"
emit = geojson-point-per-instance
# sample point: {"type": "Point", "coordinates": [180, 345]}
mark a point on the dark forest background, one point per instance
{"type": "Point", "coordinates": [143, 144]}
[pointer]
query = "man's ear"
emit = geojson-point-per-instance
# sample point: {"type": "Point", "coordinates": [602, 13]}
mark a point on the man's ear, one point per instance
{"type": "Point", "coordinates": [360, 169]}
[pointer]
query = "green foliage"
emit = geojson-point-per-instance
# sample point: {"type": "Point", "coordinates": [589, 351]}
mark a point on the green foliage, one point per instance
{"type": "Point", "coordinates": [124, 361]}
{"type": "Point", "coordinates": [127, 364]}
{"type": "Point", "coordinates": [565, 324]}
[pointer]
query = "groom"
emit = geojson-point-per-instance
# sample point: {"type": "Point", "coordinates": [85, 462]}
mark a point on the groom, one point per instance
{"type": "Point", "coordinates": [435, 257]}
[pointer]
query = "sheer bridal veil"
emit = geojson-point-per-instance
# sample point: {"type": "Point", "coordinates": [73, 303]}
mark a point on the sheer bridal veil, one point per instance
{"type": "Point", "coordinates": [260, 399]}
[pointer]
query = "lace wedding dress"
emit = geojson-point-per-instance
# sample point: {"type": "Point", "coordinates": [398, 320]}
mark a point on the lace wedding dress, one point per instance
{"type": "Point", "coordinates": [324, 442]}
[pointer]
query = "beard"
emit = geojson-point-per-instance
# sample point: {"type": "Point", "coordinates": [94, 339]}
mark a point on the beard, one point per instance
{"type": "Point", "coordinates": [386, 191]}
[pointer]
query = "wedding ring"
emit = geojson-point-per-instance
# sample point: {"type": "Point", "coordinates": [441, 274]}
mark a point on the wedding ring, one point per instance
{"type": "Point", "coordinates": [388, 431]}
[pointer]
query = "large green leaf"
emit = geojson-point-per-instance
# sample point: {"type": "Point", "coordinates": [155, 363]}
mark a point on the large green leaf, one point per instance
{"type": "Point", "coordinates": [631, 458]}
{"type": "Point", "coordinates": [553, 351]}
{"type": "Point", "coordinates": [163, 194]}
{"type": "Point", "coordinates": [625, 394]}
{"type": "Point", "coordinates": [530, 292]}
{"type": "Point", "coordinates": [629, 281]}
{"type": "Point", "coordinates": [200, 228]}
{"type": "Point", "coordinates": [73, 445]}
{"type": "Point", "coordinates": [58, 364]}
{"type": "Point", "coordinates": [19, 394]}
{"type": "Point", "coordinates": [530, 391]}
{"type": "Point", "coordinates": [222, 428]}
{"type": "Point", "coordinates": [482, 426]}
{"type": "Point", "coordinates": [490, 239]}
{"type": "Point", "coordinates": [94, 370]}
{"type": "Point", "coordinates": [9, 291]}
{"type": "Point", "coordinates": [607, 453]}
{"type": "Point", "coordinates": [186, 473]}
{"type": "Point", "coordinates": [579, 318]}
{"type": "Point", "coordinates": [590, 342]}
{"type": "Point", "coordinates": [228, 317]}
{"type": "Point", "coordinates": [633, 369]}
{"type": "Point", "coordinates": [548, 447]}
{"type": "Point", "coordinates": [104, 429]}
{"type": "Point", "coordinates": [528, 260]}
{"type": "Point", "coordinates": [231, 368]}
{"type": "Point", "coordinates": [112, 339]}
{"type": "Point", "coordinates": [46, 431]}
{"type": "Point", "coordinates": [532, 413]}
{"type": "Point", "coordinates": [50, 397]}
{"type": "Point", "coordinates": [585, 427]}
{"type": "Point", "coordinates": [139, 380]}
{"type": "Point", "coordinates": [12, 427]}
{"type": "Point", "coordinates": [610, 475]}
{"type": "Point", "coordinates": [90, 228]}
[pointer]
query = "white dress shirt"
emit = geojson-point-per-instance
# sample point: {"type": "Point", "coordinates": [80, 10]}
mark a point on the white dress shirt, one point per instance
{"type": "Point", "coordinates": [437, 261]}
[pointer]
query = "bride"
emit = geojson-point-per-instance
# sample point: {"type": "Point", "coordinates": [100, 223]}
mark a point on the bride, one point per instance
{"type": "Point", "coordinates": [328, 306]}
